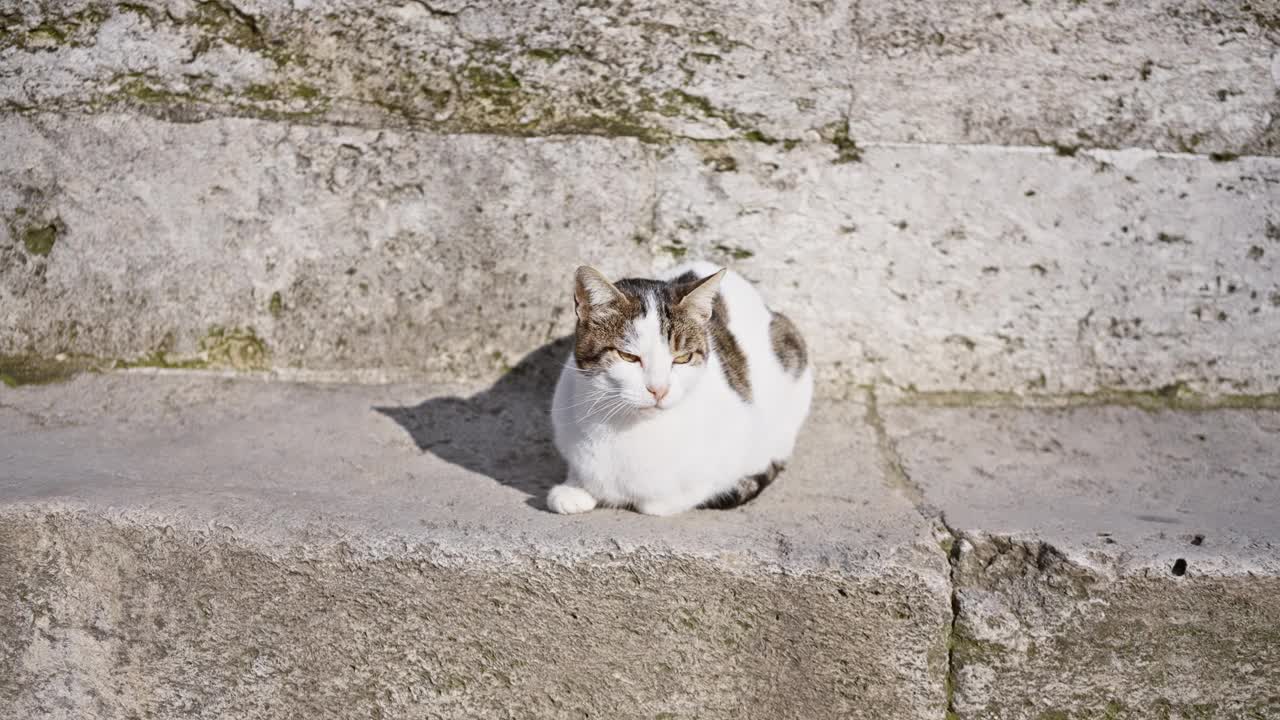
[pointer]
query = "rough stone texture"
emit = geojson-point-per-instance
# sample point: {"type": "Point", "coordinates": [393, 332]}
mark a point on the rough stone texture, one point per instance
{"type": "Point", "coordinates": [256, 244]}
{"type": "Point", "coordinates": [337, 248]}
{"type": "Point", "coordinates": [184, 543]}
{"type": "Point", "coordinates": [757, 68]}
{"type": "Point", "coordinates": [1160, 75]}
{"type": "Point", "coordinates": [1170, 75]}
{"type": "Point", "coordinates": [941, 268]}
{"type": "Point", "coordinates": [1111, 562]}
{"type": "Point", "coordinates": [187, 544]}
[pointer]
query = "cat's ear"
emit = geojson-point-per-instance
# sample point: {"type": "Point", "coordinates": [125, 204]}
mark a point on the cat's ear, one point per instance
{"type": "Point", "coordinates": [592, 292]}
{"type": "Point", "coordinates": [699, 297]}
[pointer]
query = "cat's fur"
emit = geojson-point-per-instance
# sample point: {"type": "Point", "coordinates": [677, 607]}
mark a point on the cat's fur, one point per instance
{"type": "Point", "coordinates": [728, 418]}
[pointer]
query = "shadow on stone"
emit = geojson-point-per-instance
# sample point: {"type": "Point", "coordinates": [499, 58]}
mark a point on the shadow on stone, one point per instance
{"type": "Point", "coordinates": [503, 432]}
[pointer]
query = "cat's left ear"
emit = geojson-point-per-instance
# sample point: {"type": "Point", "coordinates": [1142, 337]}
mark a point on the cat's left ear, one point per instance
{"type": "Point", "coordinates": [700, 297]}
{"type": "Point", "coordinates": [593, 293]}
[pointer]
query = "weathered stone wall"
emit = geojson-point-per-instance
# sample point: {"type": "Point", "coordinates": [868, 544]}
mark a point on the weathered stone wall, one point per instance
{"type": "Point", "coordinates": [1064, 197]}
{"type": "Point", "coordinates": [1161, 75]}
{"type": "Point", "coordinates": [154, 623]}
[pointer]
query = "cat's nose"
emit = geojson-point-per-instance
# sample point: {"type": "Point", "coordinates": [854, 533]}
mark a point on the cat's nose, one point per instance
{"type": "Point", "coordinates": [657, 392]}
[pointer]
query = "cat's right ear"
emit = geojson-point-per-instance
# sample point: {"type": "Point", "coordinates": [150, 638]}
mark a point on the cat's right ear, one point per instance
{"type": "Point", "coordinates": [592, 292]}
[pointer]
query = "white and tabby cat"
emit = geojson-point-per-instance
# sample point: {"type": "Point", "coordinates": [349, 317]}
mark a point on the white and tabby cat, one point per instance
{"type": "Point", "coordinates": [683, 392]}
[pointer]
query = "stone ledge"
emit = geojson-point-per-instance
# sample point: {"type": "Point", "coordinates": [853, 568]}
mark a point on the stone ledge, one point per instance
{"type": "Point", "coordinates": [1065, 74]}
{"type": "Point", "coordinates": [238, 547]}
{"type": "Point", "coordinates": [934, 268]}
{"type": "Point", "coordinates": [208, 534]}
{"type": "Point", "coordinates": [1109, 562]}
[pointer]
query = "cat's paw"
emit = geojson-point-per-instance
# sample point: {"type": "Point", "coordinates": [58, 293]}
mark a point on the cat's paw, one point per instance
{"type": "Point", "coordinates": [569, 500]}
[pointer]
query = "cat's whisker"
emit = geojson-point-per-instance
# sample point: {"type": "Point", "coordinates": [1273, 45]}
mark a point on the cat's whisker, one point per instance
{"type": "Point", "coordinates": [598, 400]}
{"type": "Point", "coordinates": [608, 400]}
{"type": "Point", "coordinates": [592, 397]}
{"type": "Point", "coordinates": [623, 406]}
{"type": "Point", "coordinates": [579, 404]}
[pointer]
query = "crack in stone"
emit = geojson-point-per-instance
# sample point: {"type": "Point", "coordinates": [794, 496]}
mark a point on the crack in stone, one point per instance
{"type": "Point", "coordinates": [890, 460]}
{"type": "Point", "coordinates": [899, 479]}
{"type": "Point", "coordinates": [439, 12]}
{"type": "Point", "coordinates": [953, 562]}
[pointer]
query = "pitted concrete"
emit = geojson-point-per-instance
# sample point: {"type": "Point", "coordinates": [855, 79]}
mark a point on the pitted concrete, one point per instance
{"type": "Point", "coordinates": [213, 547]}
{"type": "Point", "coordinates": [1109, 562]}
{"type": "Point", "coordinates": [180, 542]}
{"type": "Point", "coordinates": [1158, 75]}
{"type": "Point", "coordinates": [385, 254]}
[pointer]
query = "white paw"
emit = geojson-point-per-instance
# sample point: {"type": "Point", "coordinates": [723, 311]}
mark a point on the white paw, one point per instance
{"type": "Point", "coordinates": [569, 500]}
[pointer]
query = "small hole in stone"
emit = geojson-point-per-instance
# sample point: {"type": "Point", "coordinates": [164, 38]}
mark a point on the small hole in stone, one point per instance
{"type": "Point", "coordinates": [1179, 567]}
{"type": "Point", "coordinates": [842, 592]}
{"type": "Point", "coordinates": [1197, 540]}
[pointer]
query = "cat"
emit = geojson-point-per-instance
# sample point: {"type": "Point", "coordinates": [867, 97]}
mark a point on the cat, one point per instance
{"type": "Point", "coordinates": [683, 392]}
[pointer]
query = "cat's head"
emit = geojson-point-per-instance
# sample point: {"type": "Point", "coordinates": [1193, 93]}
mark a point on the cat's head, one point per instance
{"type": "Point", "coordinates": [642, 343]}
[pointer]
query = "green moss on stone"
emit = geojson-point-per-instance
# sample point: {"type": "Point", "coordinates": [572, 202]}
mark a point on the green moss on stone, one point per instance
{"type": "Point", "coordinates": [72, 30]}
{"type": "Point", "coordinates": [148, 90]}
{"type": "Point", "coordinates": [617, 125]}
{"type": "Point", "coordinates": [260, 92]}
{"type": "Point", "coordinates": [760, 137]}
{"type": "Point", "coordinates": [488, 79]}
{"type": "Point", "coordinates": [736, 253]}
{"type": "Point", "coordinates": [680, 102]}
{"type": "Point", "coordinates": [550, 55]}
{"type": "Point", "coordinates": [135, 8]}
{"type": "Point", "coordinates": [1174, 396]}
{"type": "Point", "coordinates": [46, 34]}
{"type": "Point", "coordinates": [303, 92]}
{"type": "Point", "coordinates": [16, 370]}
{"type": "Point", "coordinates": [161, 359]}
{"type": "Point", "coordinates": [676, 103]}
{"type": "Point", "coordinates": [229, 24]}
{"type": "Point", "coordinates": [39, 239]}
{"type": "Point", "coordinates": [238, 348]}
{"type": "Point", "coordinates": [722, 163]}
{"type": "Point", "coordinates": [847, 150]}
{"type": "Point", "coordinates": [276, 305]}
{"type": "Point", "coordinates": [947, 544]}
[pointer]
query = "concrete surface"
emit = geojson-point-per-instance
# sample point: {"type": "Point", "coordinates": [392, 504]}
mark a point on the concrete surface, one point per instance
{"type": "Point", "coordinates": [1110, 562]}
{"type": "Point", "coordinates": [205, 545]}
{"type": "Point", "coordinates": [208, 547]}
{"type": "Point", "coordinates": [965, 198]}
{"type": "Point", "coordinates": [382, 254]}
{"type": "Point", "coordinates": [1161, 75]}
{"type": "Point", "coordinates": [964, 207]}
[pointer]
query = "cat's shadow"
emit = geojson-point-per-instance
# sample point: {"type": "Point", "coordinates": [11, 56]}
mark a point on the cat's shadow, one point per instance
{"type": "Point", "coordinates": [503, 432]}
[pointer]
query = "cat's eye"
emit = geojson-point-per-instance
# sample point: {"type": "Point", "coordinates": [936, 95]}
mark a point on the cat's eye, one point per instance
{"type": "Point", "coordinates": [628, 356]}
{"type": "Point", "coordinates": [682, 358]}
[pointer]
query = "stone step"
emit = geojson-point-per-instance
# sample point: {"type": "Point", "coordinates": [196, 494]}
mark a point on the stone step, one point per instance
{"type": "Point", "coordinates": [214, 546]}
{"type": "Point", "coordinates": [383, 254]}
{"type": "Point", "coordinates": [1160, 75]}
